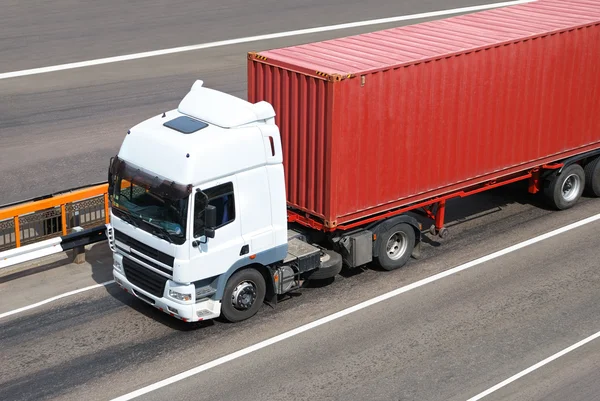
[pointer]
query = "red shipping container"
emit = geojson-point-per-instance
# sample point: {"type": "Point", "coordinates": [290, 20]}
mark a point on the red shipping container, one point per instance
{"type": "Point", "coordinates": [376, 121]}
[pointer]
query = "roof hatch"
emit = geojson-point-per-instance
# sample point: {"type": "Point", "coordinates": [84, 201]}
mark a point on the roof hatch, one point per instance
{"type": "Point", "coordinates": [185, 124]}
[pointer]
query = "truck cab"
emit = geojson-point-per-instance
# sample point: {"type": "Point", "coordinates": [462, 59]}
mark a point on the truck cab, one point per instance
{"type": "Point", "coordinates": [197, 194]}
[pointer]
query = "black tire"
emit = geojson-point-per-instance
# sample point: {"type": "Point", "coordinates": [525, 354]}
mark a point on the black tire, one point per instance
{"type": "Point", "coordinates": [592, 178]}
{"type": "Point", "coordinates": [252, 288]}
{"type": "Point", "coordinates": [401, 241]}
{"type": "Point", "coordinates": [331, 266]}
{"type": "Point", "coordinates": [563, 190]}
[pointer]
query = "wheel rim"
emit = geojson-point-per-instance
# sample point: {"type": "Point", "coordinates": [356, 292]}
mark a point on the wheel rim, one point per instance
{"type": "Point", "coordinates": [244, 295]}
{"type": "Point", "coordinates": [570, 187]}
{"type": "Point", "coordinates": [325, 257]}
{"type": "Point", "coordinates": [397, 245]}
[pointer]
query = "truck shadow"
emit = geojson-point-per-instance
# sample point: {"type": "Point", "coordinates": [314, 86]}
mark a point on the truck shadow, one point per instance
{"type": "Point", "coordinates": [140, 307]}
{"type": "Point", "coordinates": [102, 274]}
{"type": "Point", "coordinates": [100, 259]}
{"type": "Point", "coordinates": [478, 207]}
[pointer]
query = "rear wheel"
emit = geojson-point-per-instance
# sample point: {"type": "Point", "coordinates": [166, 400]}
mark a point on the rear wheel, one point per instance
{"type": "Point", "coordinates": [592, 177]}
{"type": "Point", "coordinates": [243, 296]}
{"type": "Point", "coordinates": [563, 190]}
{"type": "Point", "coordinates": [395, 246]}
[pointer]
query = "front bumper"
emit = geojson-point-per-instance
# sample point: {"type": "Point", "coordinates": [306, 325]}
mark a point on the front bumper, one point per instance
{"type": "Point", "coordinates": [204, 310]}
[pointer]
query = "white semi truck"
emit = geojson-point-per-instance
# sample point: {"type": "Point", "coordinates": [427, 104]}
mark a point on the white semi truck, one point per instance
{"type": "Point", "coordinates": [199, 223]}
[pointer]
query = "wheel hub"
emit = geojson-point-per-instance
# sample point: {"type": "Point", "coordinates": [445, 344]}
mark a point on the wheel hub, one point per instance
{"type": "Point", "coordinates": [397, 245]}
{"type": "Point", "coordinates": [244, 295]}
{"type": "Point", "coordinates": [570, 187]}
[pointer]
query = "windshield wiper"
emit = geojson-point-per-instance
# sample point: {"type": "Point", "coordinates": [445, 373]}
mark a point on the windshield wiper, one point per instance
{"type": "Point", "coordinates": [133, 219]}
{"type": "Point", "coordinates": [162, 232]}
{"type": "Point", "coordinates": [128, 217]}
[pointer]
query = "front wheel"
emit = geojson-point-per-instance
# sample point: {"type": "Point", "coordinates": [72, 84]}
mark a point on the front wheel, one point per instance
{"type": "Point", "coordinates": [395, 246]}
{"type": "Point", "coordinates": [564, 190]}
{"type": "Point", "coordinates": [244, 294]}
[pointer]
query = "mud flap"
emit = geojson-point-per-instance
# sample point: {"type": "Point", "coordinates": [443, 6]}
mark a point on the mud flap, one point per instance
{"type": "Point", "coordinates": [416, 253]}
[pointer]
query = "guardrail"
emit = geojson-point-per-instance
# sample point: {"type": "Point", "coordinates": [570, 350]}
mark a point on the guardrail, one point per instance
{"type": "Point", "coordinates": [54, 223]}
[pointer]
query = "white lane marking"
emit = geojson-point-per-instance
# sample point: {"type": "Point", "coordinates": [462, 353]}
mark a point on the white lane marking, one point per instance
{"type": "Point", "coordinates": [66, 294]}
{"type": "Point", "coordinates": [536, 366]}
{"type": "Point", "coordinates": [201, 46]}
{"type": "Point", "coordinates": [355, 308]}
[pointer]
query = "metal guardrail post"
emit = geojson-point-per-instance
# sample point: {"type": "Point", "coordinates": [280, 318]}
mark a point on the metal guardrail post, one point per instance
{"type": "Point", "coordinates": [63, 218]}
{"type": "Point", "coordinates": [78, 252]}
{"type": "Point", "coordinates": [17, 231]}
{"type": "Point", "coordinates": [106, 211]}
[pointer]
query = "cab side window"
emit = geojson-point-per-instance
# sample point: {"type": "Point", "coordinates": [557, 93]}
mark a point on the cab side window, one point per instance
{"type": "Point", "coordinates": [221, 197]}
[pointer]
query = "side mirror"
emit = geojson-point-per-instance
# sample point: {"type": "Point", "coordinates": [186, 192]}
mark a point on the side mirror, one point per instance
{"type": "Point", "coordinates": [111, 185]}
{"type": "Point", "coordinates": [210, 215]}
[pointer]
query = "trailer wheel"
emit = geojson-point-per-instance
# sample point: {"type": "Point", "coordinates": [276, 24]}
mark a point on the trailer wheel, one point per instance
{"type": "Point", "coordinates": [244, 294]}
{"type": "Point", "coordinates": [331, 265]}
{"type": "Point", "coordinates": [564, 190]}
{"type": "Point", "coordinates": [395, 246]}
{"type": "Point", "coordinates": [592, 177]}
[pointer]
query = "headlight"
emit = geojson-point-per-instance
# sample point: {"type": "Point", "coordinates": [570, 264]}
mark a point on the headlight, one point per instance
{"type": "Point", "coordinates": [118, 265]}
{"type": "Point", "coordinates": [180, 296]}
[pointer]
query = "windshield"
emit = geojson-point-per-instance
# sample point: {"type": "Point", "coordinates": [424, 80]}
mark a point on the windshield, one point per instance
{"type": "Point", "coordinates": [153, 204]}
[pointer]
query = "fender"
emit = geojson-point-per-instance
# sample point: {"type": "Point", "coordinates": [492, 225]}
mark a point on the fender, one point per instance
{"type": "Point", "coordinates": [575, 159]}
{"type": "Point", "coordinates": [260, 263]}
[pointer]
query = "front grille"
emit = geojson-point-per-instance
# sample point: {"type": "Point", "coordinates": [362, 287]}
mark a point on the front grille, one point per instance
{"type": "Point", "coordinates": [153, 264]}
{"type": "Point", "coordinates": [144, 249]}
{"type": "Point", "coordinates": [143, 278]}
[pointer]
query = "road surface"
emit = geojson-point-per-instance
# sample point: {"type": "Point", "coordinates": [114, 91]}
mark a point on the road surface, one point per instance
{"type": "Point", "coordinates": [447, 340]}
{"type": "Point", "coordinates": [58, 130]}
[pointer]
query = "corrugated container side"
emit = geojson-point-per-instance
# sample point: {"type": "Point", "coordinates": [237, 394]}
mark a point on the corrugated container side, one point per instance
{"type": "Point", "coordinates": [417, 130]}
{"type": "Point", "coordinates": [303, 106]}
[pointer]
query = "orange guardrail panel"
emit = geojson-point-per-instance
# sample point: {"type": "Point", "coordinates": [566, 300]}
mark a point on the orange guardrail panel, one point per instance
{"type": "Point", "coordinates": [58, 200]}
{"type": "Point", "coordinates": [18, 211]}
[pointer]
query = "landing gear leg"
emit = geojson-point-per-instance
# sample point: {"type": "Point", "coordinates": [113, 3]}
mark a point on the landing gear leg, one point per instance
{"type": "Point", "coordinates": [438, 227]}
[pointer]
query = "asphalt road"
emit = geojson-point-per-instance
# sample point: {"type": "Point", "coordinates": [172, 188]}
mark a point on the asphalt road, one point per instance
{"type": "Point", "coordinates": [447, 340]}
{"type": "Point", "coordinates": [58, 130]}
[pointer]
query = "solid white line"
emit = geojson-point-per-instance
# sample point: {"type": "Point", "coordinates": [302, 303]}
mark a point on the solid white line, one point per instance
{"type": "Point", "coordinates": [66, 294]}
{"type": "Point", "coordinates": [536, 366]}
{"type": "Point", "coordinates": [350, 310]}
{"type": "Point", "coordinates": [162, 52]}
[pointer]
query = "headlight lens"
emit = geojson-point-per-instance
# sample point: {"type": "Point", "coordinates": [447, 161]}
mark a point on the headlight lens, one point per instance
{"type": "Point", "coordinates": [118, 265]}
{"type": "Point", "coordinates": [180, 296]}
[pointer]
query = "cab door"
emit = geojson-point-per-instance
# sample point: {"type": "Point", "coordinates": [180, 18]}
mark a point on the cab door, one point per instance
{"type": "Point", "coordinates": [213, 256]}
